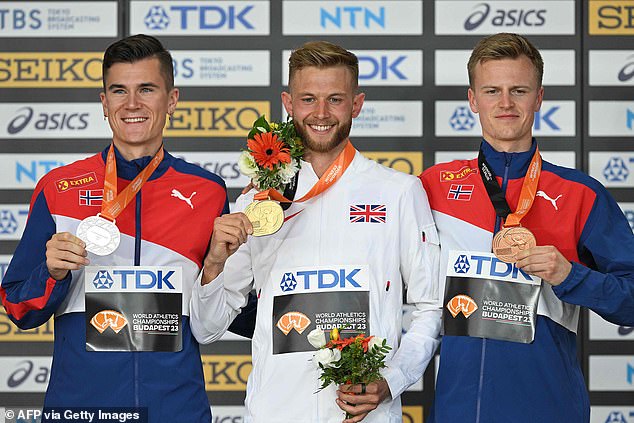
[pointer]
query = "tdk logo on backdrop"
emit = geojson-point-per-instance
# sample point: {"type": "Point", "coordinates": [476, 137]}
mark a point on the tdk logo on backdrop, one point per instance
{"type": "Point", "coordinates": [321, 279]}
{"type": "Point", "coordinates": [381, 67]}
{"type": "Point", "coordinates": [505, 18]}
{"type": "Point", "coordinates": [616, 170]}
{"type": "Point", "coordinates": [462, 119]}
{"type": "Point", "coordinates": [352, 17]}
{"type": "Point", "coordinates": [545, 117]}
{"type": "Point", "coordinates": [133, 279]}
{"type": "Point", "coordinates": [199, 17]}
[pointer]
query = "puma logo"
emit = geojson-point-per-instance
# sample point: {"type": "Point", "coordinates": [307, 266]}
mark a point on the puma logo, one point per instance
{"type": "Point", "coordinates": [553, 201]}
{"type": "Point", "coordinates": [176, 193]}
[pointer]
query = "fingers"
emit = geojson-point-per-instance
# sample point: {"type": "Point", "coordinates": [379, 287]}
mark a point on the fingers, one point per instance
{"type": "Point", "coordinates": [545, 262]}
{"type": "Point", "coordinates": [65, 252]}
{"type": "Point", "coordinates": [353, 400]}
{"type": "Point", "coordinates": [248, 188]}
{"type": "Point", "coordinates": [230, 231]}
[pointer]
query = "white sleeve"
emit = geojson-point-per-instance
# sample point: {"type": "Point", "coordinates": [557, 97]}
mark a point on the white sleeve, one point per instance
{"type": "Point", "coordinates": [213, 307]}
{"type": "Point", "coordinates": [420, 270]}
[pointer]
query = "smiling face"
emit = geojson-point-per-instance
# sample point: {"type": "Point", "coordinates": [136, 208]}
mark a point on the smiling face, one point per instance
{"type": "Point", "coordinates": [506, 95]}
{"type": "Point", "coordinates": [322, 102]}
{"type": "Point", "coordinates": [137, 101]}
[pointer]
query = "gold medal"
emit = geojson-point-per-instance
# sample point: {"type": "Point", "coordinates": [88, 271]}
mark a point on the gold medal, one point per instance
{"type": "Point", "coordinates": [266, 217]}
{"type": "Point", "coordinates": [510, 241]}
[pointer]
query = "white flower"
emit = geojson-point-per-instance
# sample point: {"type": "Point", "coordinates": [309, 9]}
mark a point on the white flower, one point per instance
{"type": "Point", "coordinates": [247, 165]}
{"type": "Point", "coordinates": [375, 341]}
{"type": "Point", "coordinates": [317, 338]}
{"type": "Point", "coordinates": [327, 357]}
{"type": "Point", "coordinates": [288, 170]}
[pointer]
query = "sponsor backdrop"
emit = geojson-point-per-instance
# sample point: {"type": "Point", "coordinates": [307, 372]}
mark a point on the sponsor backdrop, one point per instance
{"type": "Point", "coordinates": [230, 63]}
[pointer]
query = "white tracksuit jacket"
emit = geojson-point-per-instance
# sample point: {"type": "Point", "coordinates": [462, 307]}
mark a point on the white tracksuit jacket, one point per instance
{"type": "Point", "coordinates": [325, 254]}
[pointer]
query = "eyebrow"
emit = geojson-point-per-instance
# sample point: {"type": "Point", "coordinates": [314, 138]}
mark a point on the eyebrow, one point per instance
{"type": "Point", "coordinates": [142, 85]}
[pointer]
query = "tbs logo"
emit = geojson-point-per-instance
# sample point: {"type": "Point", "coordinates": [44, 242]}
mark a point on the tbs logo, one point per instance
{"type": "Point", "coordinates": [133, 279]}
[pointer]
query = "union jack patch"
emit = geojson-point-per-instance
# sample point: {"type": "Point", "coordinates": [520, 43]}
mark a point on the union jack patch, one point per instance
{"type": "Point", "coordinates": [90, 197]}
{"type": "Point", "coordinates": [368, 213]}
{"type": "Point", "coordinates": [460, 192]}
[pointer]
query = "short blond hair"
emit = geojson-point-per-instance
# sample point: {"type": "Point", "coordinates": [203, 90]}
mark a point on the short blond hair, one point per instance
{"type": "Point", "coordinates": [505, 46]}
{"type": "Point", "coordinates": [322, 54]}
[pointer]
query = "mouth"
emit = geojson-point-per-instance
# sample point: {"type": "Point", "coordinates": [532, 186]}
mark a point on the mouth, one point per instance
{"type": "Point", "coordinates": [321, 128]}
{"type": "Point", "coordinates": [134, 119]}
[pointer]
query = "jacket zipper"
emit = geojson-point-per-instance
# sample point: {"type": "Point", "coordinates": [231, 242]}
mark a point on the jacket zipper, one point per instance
{"type": "Point", "coordinates": [498, 224]}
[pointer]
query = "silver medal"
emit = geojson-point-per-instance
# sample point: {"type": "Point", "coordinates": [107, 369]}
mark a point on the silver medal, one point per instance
{"type": "Point", "coordinates": [101, 236]}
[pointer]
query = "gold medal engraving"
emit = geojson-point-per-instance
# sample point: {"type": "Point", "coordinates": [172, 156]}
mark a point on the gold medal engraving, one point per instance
{"type": "Point", "coordinates": [266, 217]}
{"type": "Point", "coordinates": [510, 241]}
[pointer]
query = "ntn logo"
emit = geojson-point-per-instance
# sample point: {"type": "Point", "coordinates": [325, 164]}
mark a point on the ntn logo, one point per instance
{"type": "Point", "coordinates": [352, 16]}
{"type": "Point", "coordinates": [35, 169]}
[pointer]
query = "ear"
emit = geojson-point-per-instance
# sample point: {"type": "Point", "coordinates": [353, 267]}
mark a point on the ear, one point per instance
{"type": "Point", "coordinates": [102, 97]}
{"type": "Point", "coordinates": [357, 104]}
{"type": "Point", "coordinates": [172, 100]}
{"type": "Point", "coordinates": [473, 104]}
{"type": "Point", "coordinates": [287, 101]}
{"type": "Point", "coordinates": [540, 97]}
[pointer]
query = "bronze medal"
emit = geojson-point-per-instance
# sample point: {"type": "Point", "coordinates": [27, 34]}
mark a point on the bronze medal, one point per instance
{"type": "Point", "coordinates": [510, 241]}
{"type": "Point", "coordinates": [266, 217]}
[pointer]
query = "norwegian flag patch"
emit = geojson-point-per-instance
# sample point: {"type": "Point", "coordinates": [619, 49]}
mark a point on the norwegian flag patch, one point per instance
{"type": "Point", "coordinates": [368, 213]}
{"type": "Point", "coordinates": [460, 192]}
{"type": "Point", "coordinates": [90, 197]}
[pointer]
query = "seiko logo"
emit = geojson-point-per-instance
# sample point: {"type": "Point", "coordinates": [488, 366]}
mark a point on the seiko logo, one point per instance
{"type": "Point", "coordinates": [138, 279]}
{"type": "Point", "coordinates": [616, 15]}
{"type": "Point", "coordinates": [49, 69]}
{"type": "Point", "coordinates": [215, 118]}
{"type": "Point", "coordinates": [200, 17]}
{"type": "Point", "coordinates": [323, 279]}
{"type": "Point", "coordinates": [226, 372]}
{"type": "Point", "coordinates": [352, 17]}
{"type": "Point", "coordinates": [505, 18]}
{"type": "Point", "coordinates": [47, 121]}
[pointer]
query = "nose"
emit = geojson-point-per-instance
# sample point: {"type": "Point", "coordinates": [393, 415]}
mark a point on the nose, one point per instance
{"type": "Point", "coordinates": [506, 100]}
{"type": "Point", "coordinates": [132, 100]}
{"type": "Point", "coordinates": [322, 109]}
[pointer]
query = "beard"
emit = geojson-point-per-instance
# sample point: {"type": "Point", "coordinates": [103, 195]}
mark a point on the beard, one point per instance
{"type": "Point", "coordinates": [341, 134]}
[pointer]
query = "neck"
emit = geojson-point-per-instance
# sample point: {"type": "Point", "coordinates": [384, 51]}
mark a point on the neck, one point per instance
{"type": "Point", "coordinates": [321, 161]}
{"type": "Point", "coordinates": [136, 152]}
{"type": "Point", "coordinates": [512, 146]}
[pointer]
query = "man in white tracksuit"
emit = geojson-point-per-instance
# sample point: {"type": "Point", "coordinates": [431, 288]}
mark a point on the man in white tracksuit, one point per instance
{"type": "Point", "coordinates": [345, 255]}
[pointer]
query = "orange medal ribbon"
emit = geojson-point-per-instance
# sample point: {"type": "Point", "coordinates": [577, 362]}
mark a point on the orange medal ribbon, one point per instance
{"type": "Point", "coordinates": [328, 179]}
{"type": "Point", "coordinates": [529, 189]}
{"type": "Point", "coordinates": [113, 204]}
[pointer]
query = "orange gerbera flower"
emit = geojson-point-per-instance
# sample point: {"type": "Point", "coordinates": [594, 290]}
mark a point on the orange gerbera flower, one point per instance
{"type": "Point", "coordinates": [268, 151]}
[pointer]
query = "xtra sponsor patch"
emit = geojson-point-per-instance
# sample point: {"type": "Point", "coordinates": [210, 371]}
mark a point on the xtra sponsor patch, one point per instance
{"type": "Point", "coordinates": [456, 175]}
{"type": "Point", "coordinates": [81, 181]}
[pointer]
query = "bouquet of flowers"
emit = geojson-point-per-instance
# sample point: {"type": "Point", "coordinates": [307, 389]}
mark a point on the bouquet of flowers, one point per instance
{"type": "Point", "coordinates": [353, 360]}
{"type": "Point", "coordinates": [273, 153]}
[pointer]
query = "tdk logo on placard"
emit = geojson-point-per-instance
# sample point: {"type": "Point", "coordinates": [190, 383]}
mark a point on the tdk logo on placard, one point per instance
{"type": "Point", "coordinates": [462, 264]}
{"type": "Point", "coordinates": [134, 279]}
{"type": "Point", "coordinates": [325, 278]}
{"type": "Point", "coordinates": [199, 17]}
{"type": "Point", "coordinates": [616, 170]}
{"type": "Point", "coordinates": [486, 266]}
{"type": "Point", "coordinates": [352, 17]}
{"type": "Point", "coordinates": [505, 18]}
{"type": "Point", "coordinates": [462, 119]}
{"type": "Point", "coordinates": [289, 283]}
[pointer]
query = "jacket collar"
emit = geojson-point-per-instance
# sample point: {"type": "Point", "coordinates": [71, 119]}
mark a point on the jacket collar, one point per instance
{"type": "Point", "coordinates": [130, 169]}
{"type": "Point", "coordinates": [517, 163]}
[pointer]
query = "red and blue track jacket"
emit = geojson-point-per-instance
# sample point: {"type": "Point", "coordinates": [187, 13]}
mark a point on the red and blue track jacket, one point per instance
{"type": "Point", "coordinates": [490, 381]}
{"type": "Point", "coordinates": [158, 228]}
